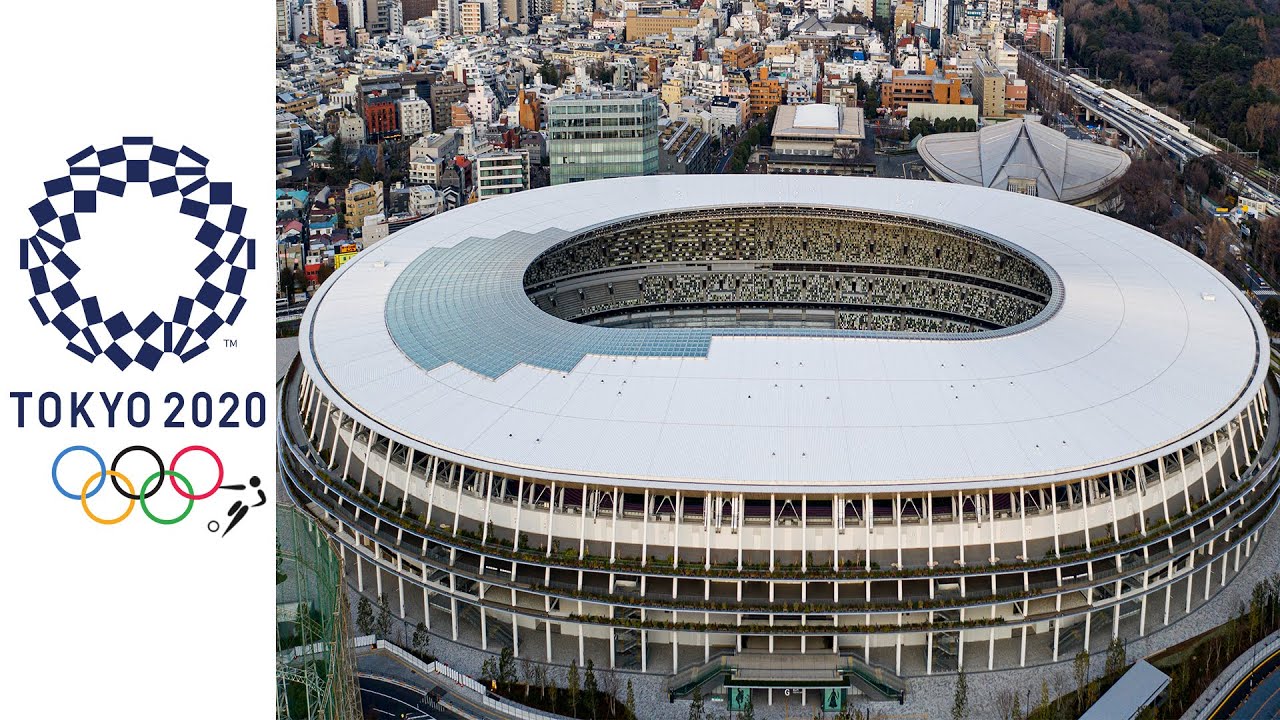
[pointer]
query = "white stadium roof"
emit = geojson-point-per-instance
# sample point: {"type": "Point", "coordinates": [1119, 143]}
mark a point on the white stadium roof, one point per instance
{"type": "Point", "coordinates": [1149, 350]}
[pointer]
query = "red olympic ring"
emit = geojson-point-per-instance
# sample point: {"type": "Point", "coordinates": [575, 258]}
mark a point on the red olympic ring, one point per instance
{"type": "Point", "coordinates": [173, 465]}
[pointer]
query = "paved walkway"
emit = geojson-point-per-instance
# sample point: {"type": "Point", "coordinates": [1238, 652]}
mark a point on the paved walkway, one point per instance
{"type": "Point", "coordinates": [376, 662]}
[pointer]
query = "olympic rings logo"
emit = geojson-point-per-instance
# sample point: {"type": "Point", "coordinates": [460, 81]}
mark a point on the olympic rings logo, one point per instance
{"type": "Point", "coordinates": [139, 495]}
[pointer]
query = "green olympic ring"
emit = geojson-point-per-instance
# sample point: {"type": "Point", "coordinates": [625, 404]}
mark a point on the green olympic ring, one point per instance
{"type": "Point", "coordinates": [160, 475]}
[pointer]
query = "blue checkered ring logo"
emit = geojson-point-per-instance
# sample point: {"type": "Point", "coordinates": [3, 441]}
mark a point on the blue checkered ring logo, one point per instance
{"type": "Point", "coordinates": [90, 329]}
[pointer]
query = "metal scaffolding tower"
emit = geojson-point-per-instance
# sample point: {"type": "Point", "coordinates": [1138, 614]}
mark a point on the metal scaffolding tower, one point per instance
{"type": "Point", "coordinates": [314, 672]}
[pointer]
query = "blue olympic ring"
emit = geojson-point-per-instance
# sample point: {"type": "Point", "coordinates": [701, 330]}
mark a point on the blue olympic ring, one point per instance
{"type": "Point", "coordinates": [102, 471]}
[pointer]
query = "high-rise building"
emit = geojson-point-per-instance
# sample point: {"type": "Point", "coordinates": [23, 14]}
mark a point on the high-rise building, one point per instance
{"type": "Point", "coordinates": [356, 15]}
{"type": "Point", "coordinates": [415, 9]}
{"type": "Point", "coordinates": [415, 115]}
{"type": "Point", "coordinates": [472, 14]}
{"type": "Point", "coordinates": [988, 88]}
{"type": "Point", "coordinates": [283, 21]}
{"type": "Point", "coordinates": [936, 13]}
{"type": "Point", "coordinates": [501, 172]}
{"type": "Point", "coordinates": [444, 94]}
{"type": "Point", "coordinates": [384, 16]}
{"type": "Point", "coordinates": [884, 10]}
{"type": "Point", "coordinates": [956, 10]}
{"type": "Point", "coordinates": [450, 12]}
{"type": "Point", "coordinates": [517, 11]}
{"type": "Point", "coordinates": [325, 11]}
{"type": "Point", "coordinates": [602, 135]}
{"type": "Point", "coordinates": [362, 200]}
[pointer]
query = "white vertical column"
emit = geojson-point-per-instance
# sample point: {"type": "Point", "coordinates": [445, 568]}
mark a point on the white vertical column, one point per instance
{"type": "Point", "coordinates": [804, 540]}
{"type": "Point", "coordinates": [644, 539]}
{"type": "Point", "coordinates": [582, 526]}
{"type": "Point", "coordinates": [773, 523]}
{"type": "Point", "coordinates": [738, 519]}
{"type": "Point", "coordinates": [613, 540]}
{"type": "Point", "coordinates": [675, 546]}
{"type": "Point", "coordinates": [457, 498]}
{"type": "Point", "coordinates": [706, 530]}
{"type": "Point", "coordinates": [515, 542]}
{"type": "Point", "coordinates": [897, 518]}
{"type": "Point", "coordinates": [837, 527]}
{"type": "Point", "coordinates": [991, 515]}
{"type": "Point", "coordinates": [928, 511]}
{"type": "Point", "coordinates": [488, 497]}
{"type": "Point", "coordinates": [869, 519]}
{"type": "Point", "coordinates": [431, 493]}
{"type": "Point", "coordinates": [1057, 544]}
{"type": "Point", "coordinates": [551, 515]}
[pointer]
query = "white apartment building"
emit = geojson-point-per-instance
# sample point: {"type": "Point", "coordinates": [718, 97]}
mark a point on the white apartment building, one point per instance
{"type": "Point", "coordinates": [501, 172]}
{"type": "Point", "coordinates": [415, 116]}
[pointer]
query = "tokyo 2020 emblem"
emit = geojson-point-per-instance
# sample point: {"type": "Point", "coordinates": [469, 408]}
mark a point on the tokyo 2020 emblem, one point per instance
{"type": "Point", "coordinates": [179, 326]}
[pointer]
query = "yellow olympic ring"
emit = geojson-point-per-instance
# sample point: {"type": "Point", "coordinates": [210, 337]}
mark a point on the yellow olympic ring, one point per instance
{"type": "Point", "coordinates": [84, 497]}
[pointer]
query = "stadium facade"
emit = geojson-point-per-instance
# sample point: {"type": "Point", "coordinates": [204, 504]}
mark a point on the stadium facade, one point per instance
{"type": "Point", "coordinates": [890, 426]}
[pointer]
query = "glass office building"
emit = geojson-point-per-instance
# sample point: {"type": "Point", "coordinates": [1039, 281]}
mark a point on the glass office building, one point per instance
{"type": "Point", "coordinates": [602, 135]}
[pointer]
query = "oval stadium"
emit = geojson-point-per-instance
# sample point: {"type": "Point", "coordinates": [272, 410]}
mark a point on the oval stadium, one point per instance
{"type": "Point", "coordinates": [687, 424]}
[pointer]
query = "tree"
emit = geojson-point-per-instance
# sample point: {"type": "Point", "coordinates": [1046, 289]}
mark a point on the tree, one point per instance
{"type": "Point", "coordinates": [590, 690]}
{"type": "Point", "coordinates": [366, 172]}
{"type": "Point", "coordinates": [631, 699]}
{"type": "Point", "coordinates": [1116, 660]}
{"type": "Point", "coordinates": [540, 672]}
{"type": "Point", "coordinates": [960, 703]}
{"type": "Point", "coordinates": [339, 171]}
{"type": "Point", "coordinates": [286, 283]}
{"type": "Point", "coordinates": [575, 687]}
{"type": "Point", "coordinates": [696, 710]}
{"type": "Point", "coordinates": [383, 623]}
{"type": "Point", "coordinates": [550, 74]}
{"type": "Point", "coordinates": [364, 616]}
{"type": "Point", "coordinates": [871, 101]}
{"type": "Point", "coordinates": [1080, 668]}
{"type": "Point", "coordinates": [748, 710]}
{"type": "Point", "coordinates": [421, 639]}
{"type": "Point", "coordinates": [1266, 75]}
{"type": "Point", "coordinates": [1261, 121]}
{"type": "Point", "coordinates": [1196, 176]}
{"type": "Point", "coordinates": [326, 269]}
{"type": "Point", "coordinates": [1271, 314]}
{"type": "Point", "coordinates": [506, 675]}
{"type": "Point", "coordinates": [1216, 239]}
{"type": "Point", "coordinates": [1146, 190]}
{"type": "Point", "coordinates": [609, 688]}
{"type": "Point", "coordinates": [527, 671]}
{"type": "Point", "coordinates": [1006, 700]}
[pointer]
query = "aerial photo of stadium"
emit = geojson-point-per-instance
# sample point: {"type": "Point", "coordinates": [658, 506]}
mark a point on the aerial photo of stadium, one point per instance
{"type": "Point", "coordinates": [688, 423]}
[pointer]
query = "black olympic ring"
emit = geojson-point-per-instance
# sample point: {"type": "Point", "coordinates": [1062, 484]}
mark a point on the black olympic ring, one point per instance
{"type": "Point", "coordinates": [137, 448]}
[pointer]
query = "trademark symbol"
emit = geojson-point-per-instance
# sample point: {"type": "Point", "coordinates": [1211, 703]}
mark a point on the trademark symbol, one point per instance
{"type": "Point", "coordinates": [229, 343]}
